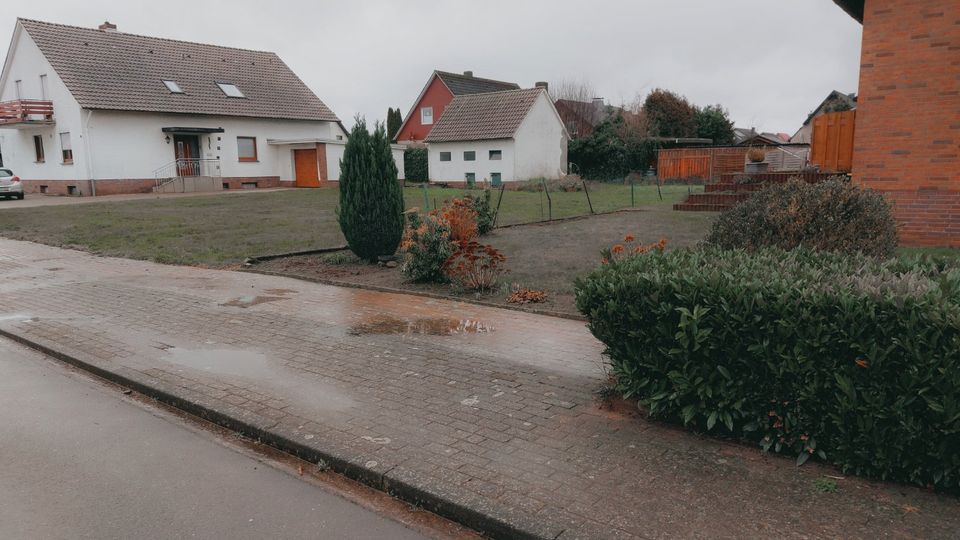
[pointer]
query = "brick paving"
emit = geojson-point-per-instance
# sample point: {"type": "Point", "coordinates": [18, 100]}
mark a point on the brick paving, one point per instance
{"type": "Point", "coordinates": [498, 416]}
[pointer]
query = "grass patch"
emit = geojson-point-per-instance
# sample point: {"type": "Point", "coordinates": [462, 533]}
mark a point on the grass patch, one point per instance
{"type": "Point", "coordinates": [220, 230]}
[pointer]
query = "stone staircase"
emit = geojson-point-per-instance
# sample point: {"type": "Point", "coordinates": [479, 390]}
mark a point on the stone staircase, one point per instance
{"type": "Point", "coordinates": [730, 190]}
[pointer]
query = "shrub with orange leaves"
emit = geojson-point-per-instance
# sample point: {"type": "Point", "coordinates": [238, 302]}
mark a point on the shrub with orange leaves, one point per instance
{"type": "Point", "coordinates": [523, 295]}
{"type": "Point", "coordinates": [475, 266]}
{"type": "Point", "coordinates": [462, 220]}
{"type": "Point", "coordinates": [426, 245]}
{"type": "Point", "coordinates": [627, 249]}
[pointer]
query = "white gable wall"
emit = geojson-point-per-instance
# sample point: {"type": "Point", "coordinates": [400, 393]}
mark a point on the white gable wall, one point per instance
{"type": "Point", "coordinates": [456, 169]}
{"type": "Point", "coordinates": [26, 63]}
{"type": "Point", "coordinates": [541, 143]}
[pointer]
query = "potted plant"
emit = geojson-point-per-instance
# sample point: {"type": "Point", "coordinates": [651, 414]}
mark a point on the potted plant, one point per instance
{"type": "Point", "coordinates": [756, 155]}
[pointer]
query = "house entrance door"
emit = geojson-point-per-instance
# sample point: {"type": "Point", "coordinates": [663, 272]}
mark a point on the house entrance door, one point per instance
{"type": "Point", "coordinates": [187, 148]}
{"type": "Point", "coordinates": [306, 169]}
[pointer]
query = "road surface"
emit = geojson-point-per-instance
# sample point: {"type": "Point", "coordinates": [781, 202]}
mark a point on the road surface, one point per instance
{"type": "Point", "coordinates": [78, 459]}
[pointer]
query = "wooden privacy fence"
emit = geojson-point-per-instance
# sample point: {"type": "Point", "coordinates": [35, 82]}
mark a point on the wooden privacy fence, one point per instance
{"type": "Point", "coordinates": [702, 163]}
{"type": "Point", "coordinates": [832, 147]}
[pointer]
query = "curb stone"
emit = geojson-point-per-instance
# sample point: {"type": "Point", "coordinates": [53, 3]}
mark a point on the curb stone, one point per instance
{"type": "Point", "coordinates": [261, 431]}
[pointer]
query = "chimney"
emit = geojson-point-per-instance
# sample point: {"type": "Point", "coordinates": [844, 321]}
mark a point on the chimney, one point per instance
{"type": "Point", "coordinates": [468, 74]}
{"type": "Point", "coordinates": [542, 84]}
{"type": "Point", "coordinates": [107, 26]}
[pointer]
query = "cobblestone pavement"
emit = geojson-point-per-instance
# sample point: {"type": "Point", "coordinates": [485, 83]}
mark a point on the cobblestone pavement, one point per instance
{"type": "Point", "coordinates": [490, 409]}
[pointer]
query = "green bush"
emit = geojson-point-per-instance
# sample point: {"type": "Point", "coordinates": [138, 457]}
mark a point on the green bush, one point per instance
{"type": "Point", "coordinates": [426, 246]}
{"type": "Point", "coordinates": [415, 167]}
{"type": "Point", "coordinates": [831, 216]}
{"type": "Point", "coordinates": [482, 205]}
{"type": "Point", "coordinates": [846, 357]}
{"type": "Point", "coordinates": [370, 212]}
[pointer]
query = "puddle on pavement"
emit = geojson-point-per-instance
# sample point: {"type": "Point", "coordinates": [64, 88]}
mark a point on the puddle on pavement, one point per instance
{"type": "Point", "coordinates": [437, 326]}
{"type": "Point", "coordinates": [260, 371]}
{"type": "Point", "coordinates": [250, 301]}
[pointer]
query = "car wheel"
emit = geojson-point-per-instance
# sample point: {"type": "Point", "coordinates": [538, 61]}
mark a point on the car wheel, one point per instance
{"type": "Point", "coordinates": [21, 196]}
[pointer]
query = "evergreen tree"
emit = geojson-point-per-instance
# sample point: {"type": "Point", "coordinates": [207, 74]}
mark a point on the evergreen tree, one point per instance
{"type": "Point", "coordinates": [670, 114]}
{"type": "Point", "coordinates": [713, 122]}
{"type": "Point", "coordinates": [394, 120]}
{"type": "Point", "coordinates": [371, 200]}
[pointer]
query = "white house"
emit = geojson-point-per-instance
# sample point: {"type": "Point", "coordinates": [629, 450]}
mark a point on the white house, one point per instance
{"type": "Point", "coordinates": [97, 111]}
{"type": "Point", "coordinates": [505, 136]}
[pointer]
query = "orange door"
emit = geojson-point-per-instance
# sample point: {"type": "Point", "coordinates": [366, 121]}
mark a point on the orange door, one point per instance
{"type": "Point", "coordinates": [307, 173]}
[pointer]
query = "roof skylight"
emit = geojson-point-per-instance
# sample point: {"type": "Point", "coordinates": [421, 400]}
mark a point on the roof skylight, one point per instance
{"type": "Point", "coordinates": [172, 86]}
{"type": "Point", "coordinates": [230, 90]}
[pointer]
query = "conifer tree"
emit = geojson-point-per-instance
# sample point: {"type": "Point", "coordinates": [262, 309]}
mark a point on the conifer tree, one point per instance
{"type": "Point", "coordinates": [371, 200]}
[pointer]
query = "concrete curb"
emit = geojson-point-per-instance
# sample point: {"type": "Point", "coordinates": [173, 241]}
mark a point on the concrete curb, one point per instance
{"type": "Point", "coordinates": [405, 491]}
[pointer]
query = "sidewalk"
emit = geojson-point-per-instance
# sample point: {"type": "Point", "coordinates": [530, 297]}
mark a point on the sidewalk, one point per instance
{"type": "Point", "coordinates": [485, 415]}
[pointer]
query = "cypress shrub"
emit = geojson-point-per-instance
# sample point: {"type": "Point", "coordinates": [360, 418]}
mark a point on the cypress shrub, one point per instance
{"type": "Point", "coordinates": [371, 199]}
{"type": "Point", "coordinates": [844, 357]}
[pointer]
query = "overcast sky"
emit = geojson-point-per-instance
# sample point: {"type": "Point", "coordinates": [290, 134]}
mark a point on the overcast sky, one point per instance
{"type": "Point", "coordinates": [770, 62]}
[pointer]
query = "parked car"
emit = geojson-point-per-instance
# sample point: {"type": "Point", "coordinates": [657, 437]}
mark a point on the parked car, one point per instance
{"type": "Point", "coordinates": [10, 185]}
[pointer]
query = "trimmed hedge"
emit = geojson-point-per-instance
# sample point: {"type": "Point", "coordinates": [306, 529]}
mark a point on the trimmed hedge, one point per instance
{"type": "Point", "coordinates": [832, 216]}
{"type": "Point", "coordinates": [415, 165]}
{"type": "Point", "coordinates": [848, 358]}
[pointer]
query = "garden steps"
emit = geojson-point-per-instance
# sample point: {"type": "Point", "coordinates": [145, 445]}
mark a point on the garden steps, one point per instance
{"type": "Point", "coordinates": [711, 201]}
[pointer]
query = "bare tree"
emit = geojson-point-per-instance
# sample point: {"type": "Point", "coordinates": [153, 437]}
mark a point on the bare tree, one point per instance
{"type": "Point", "coordinates": [578, 105]}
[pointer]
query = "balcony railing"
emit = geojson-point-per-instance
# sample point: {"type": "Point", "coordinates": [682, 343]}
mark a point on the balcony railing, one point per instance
{"type": "Point", "coordinates": [26, 111]}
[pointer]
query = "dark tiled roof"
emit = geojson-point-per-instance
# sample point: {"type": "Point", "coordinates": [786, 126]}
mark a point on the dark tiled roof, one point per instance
{"type": "Point", "coordinates": [495, 115]}
{"type": "Point", "coordinates": [853, 7]}
{"type": "Point", "coordinates": [119, 71]}
{"type": "Point", "coordinates": [461, 85]}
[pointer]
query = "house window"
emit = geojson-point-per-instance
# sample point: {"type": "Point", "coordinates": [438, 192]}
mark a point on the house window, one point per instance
{"type": "Point", "coordinates": [38, 148]}
{"type": "Point", "coordinates": [470, 177]}
{"type": "Point", "coordinates": [19, 87]}
{"type": "Point", "coordinates": [230, 90]}
{"type": "Point", "coordinates": [444, 156]}
{"type": "Point", "coordinates": [44, 92]}
{"type": "Point", "coordinates": [495, 179]}
{"type": "Point", "coordinates": [470, 156]}
{"type": "Point", "coordinates": [496, 155]}
{"type": "Point", "coordinates": [426, 116]}
{"type": "Point", "coordinates": [173, 87]}
{"type": "Point", "coordinates": [66, 148]}
{"type": "Point", "coordinates": [247, 148]}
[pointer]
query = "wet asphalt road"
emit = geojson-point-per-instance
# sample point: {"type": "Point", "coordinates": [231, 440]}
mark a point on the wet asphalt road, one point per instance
{"type": "Point", "coordinates": [78, 461]}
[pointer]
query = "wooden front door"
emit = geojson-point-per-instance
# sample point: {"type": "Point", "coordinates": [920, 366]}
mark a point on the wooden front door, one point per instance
{"type": "Point", "coordinates": [187, 148]}
{"type": "Point", "coordinates": [306, 170]}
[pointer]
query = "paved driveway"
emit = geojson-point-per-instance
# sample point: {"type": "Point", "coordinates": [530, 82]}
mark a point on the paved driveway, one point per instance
{"type": "Point", "coordinates": [35, 200]}
{"type": "Point", "coordinates": [488, 409]}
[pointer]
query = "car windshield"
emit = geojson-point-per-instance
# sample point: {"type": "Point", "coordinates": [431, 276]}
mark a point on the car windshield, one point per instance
{"type": "Point", "coordinates": [5, 172]}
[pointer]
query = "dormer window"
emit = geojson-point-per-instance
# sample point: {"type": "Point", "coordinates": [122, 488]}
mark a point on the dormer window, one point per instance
{"type": "Point", "coordinates": [230, 90]}
{"type": "Point", "coordinates": [173, 87]}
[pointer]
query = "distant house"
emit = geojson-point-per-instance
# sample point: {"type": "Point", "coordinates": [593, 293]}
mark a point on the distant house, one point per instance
{"type": "Point", "coordinates": [440, 90]}
{"type": "Point", "coordinates": [97, 111]}
{"type": "Point", "coordinates": [755, 138]}
{"type": "Point", "coordinates": [498, 137]}
{"type": "Point", "coordinates": [581, 118]}
{"type": "Point", "coordinates": [907, 138]}
{"type": "Point", "coordinates": [835, 102]}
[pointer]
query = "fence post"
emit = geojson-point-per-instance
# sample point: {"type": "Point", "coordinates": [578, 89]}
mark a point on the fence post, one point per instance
{"type": "Point", "coordinates": [496, 215]}
{"type": "Point", "coordinates": [633, 199]}
{"type": "Point", "coordinates": [549, 200]}
{"type": "Point", "coordinates": [585, 190]}
{"type": "Point", "coordinates": [426, 200]}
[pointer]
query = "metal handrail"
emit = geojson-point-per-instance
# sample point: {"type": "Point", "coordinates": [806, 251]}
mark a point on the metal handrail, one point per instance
{"type": "Point", "coordinates": [183, 167]}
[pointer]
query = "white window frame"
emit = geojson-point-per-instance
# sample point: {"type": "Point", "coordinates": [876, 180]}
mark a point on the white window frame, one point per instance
{"type": "Point", "coordinates": [230, 90]}
{"type": "Point", "coordinates": [19, 86]}
{"type": "Point", "coordinates": [426, 116]}
{"type": "Point", "coordinates": [66, 145]}
{"type": "Point", "coordinates": [499, 154]}
{"type": "Point", "coordinates": [474, 152]}
{"type": "Point", "coordinates": [44, 90]}
{"type": "Point", "coordinates": [173, 86]}
{"type": "Point", "coordinates": [448, 154]}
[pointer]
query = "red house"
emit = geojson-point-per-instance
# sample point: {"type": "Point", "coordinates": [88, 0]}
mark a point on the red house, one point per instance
{"type": "Point", "coordinates": [907, 141]}
{"type": "Point", "coordinates": [436, 95]}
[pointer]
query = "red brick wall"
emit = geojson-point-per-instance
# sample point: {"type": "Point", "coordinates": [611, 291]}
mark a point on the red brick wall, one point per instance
{"type": "Point", "coordinates": [436, 96]}
{"type": "Point", "coordinates": [132, 185]}
{"type": "Point", "coordinates": [908, 116]}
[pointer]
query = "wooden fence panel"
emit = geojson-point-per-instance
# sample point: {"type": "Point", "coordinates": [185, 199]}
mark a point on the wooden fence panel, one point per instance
{"type": "Point", "coordinates": [699, 163]}
{"type": "Point", "coordinates": [832, 148]}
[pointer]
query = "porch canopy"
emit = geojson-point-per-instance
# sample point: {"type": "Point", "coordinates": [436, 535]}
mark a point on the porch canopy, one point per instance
{"type": "Point", "coordinates": [196, 130]}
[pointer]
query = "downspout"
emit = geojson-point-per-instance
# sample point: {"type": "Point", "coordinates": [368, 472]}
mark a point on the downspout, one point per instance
{"type": "Point", "coordinates": [86, 151]}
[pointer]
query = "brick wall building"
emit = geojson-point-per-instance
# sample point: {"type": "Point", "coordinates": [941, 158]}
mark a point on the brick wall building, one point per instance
{"type": "Point", "coordinates": [908, 120]}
